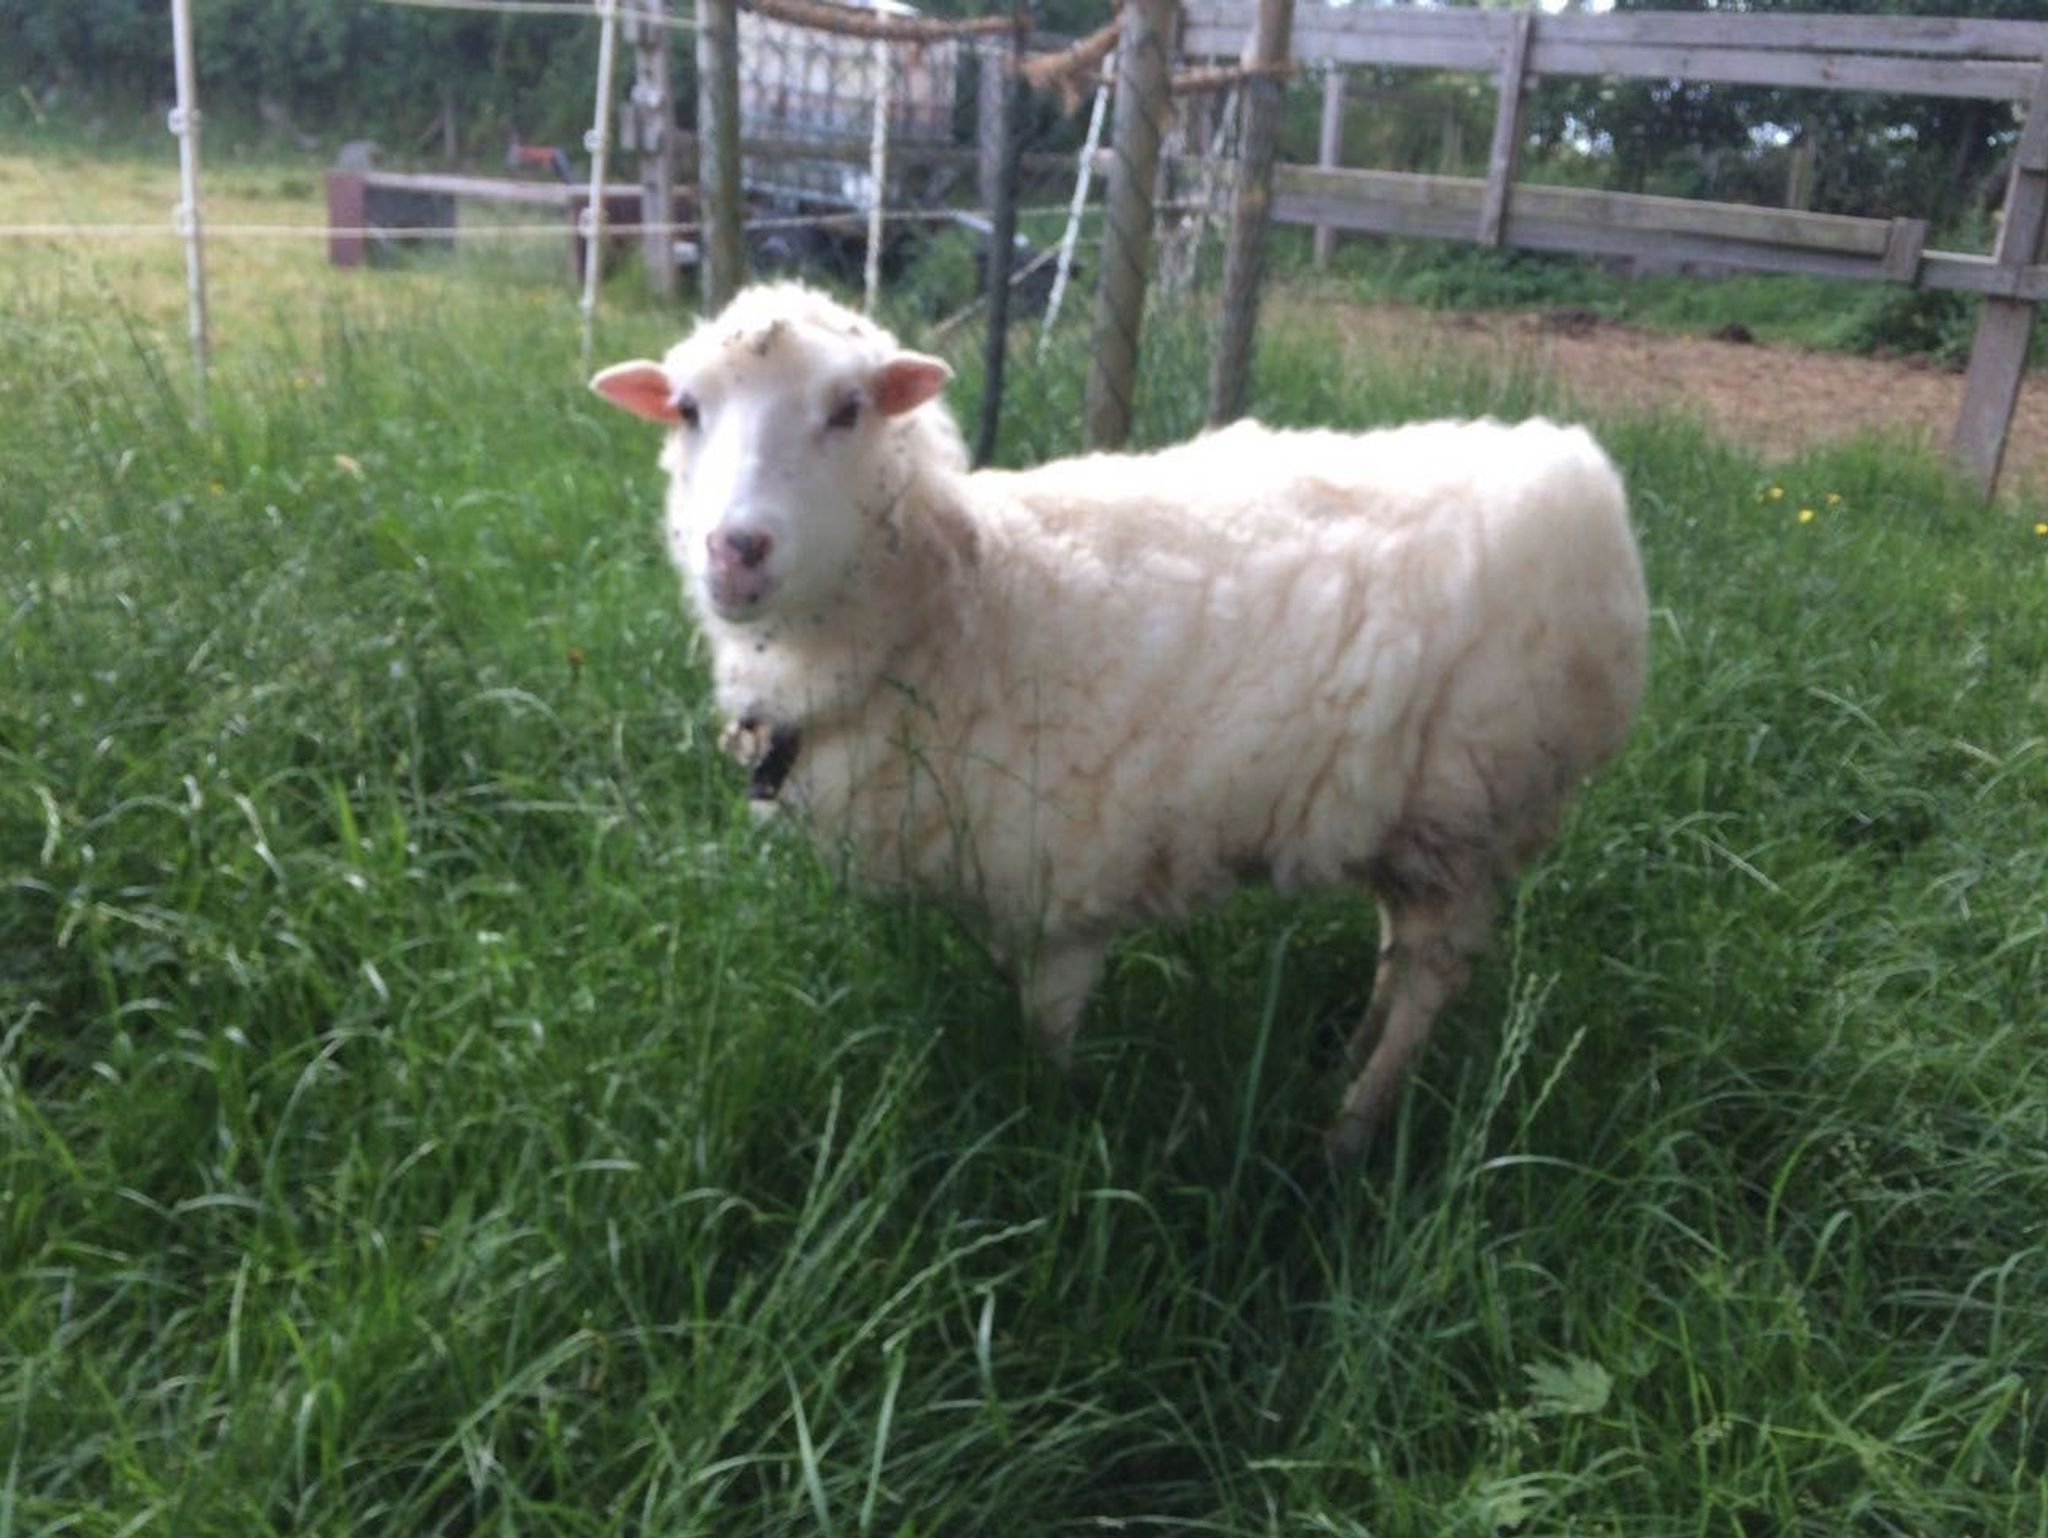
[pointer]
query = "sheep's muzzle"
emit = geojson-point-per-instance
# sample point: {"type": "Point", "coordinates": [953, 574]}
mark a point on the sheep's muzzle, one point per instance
{"type": "Point", "coordinates": [765, 783]}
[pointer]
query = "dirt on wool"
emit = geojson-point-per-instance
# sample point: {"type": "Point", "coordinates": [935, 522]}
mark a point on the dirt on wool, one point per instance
{"type": "Point", "coordinates": [1776, 400]}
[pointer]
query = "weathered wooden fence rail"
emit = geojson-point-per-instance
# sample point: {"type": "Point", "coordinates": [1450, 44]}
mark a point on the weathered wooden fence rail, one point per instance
{"type": "Point", "coordinates": [1924, 56]}
{"type": "Point", "coordinates": [1927, 56]}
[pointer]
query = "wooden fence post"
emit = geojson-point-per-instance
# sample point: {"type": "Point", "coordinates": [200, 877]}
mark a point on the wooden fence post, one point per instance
{"type": "Point", "coordinates": [1800, 166]}
{"type": "Point", "coordinates": [650, 133]}
{"type": "Point", "coordinates": [1244, 257]}
{"type": "Point", "coordinates": [1507, 131]}
{"type": "Point", "coordinates": [2005, 325]}
{"type": "Point", "coordinates": [718, 151]}
{"type": "Point", "coordinates": [1330, 150]}
{"type": "Point", "coordinates": [1144, 56]}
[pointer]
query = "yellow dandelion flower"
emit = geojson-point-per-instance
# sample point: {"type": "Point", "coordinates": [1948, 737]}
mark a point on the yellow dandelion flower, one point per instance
{"type": "Point", "coordinates": [1775, 492]}
{"type": "Point", "coordinates": [1834, 499]}
{"type": "Point", "coordinates": [1806, 515]}
{"type": "Point", "coordinates": [2041, 528]}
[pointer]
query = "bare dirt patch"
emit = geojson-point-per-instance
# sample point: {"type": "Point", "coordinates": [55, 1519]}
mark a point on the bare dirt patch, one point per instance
{"type": "Point", "coordinates": [1776, 400]}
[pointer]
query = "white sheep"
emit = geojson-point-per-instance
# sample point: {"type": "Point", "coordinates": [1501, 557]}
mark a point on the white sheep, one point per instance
{"type": "Point", "coordinates": [1103, 692]}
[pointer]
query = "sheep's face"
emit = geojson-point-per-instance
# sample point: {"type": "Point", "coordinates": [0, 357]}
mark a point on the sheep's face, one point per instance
{"type": "Point", "coordinates": [785, 454]}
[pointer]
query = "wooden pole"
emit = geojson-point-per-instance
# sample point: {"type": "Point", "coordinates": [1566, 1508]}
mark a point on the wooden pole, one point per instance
{"type": "Point", "coordinates": [598, 143]}
{"type": "Point", "coordinates": [1330, 150]}
{"type": "Point", "coordinates": [718, 150]}
{"type": "Point", "coordinates": [2005, 326]}
{"type": "Point", "coordinates": [1800, 165]}
{"type": "Point", "coordinates": [184, 122]}
{"type": "Point", "coordinates": [1244, 255]}
{"type": "Point", "coordinates": [1507, 132]}
{"type": "Point", "coordinates": [1144, 59]}
{"type": "Point", "coordinates": [653, 140]}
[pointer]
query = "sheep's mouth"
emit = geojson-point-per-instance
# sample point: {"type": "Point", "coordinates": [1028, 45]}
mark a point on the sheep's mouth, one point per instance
{"type": "Point", "coordinates": [738, 593]}
{"type": "Point", "coordinates": [765, 782]}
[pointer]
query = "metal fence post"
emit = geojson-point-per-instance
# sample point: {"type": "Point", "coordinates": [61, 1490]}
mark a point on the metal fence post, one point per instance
{"type": "Point", "coordinates": [1144, 53]}
{"type": "Point", "coordinates": [1002, 242]}
{"type": "Point", "coordinates": [1244, 258]}
{"type": "Point", "coordinates": [991, 120]}
{"type": "Point", "coordinates": [718, 150]}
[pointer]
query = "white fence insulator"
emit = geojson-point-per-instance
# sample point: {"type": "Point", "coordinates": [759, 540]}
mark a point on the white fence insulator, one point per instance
{"type": "Point", "coordinates": [1083, 174]}
{"type": "Point", "coordinates": [184, 122]}
{"type": "Point", "coordinates": [878, 177]}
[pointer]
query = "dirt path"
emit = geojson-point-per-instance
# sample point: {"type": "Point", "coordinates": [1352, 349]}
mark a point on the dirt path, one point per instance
{"type": "Point", "coordinates": [1778, 400]}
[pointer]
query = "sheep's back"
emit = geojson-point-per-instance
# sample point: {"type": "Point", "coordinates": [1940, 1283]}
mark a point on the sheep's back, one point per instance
{"type": "Point", "coordinates": [1246, 656]}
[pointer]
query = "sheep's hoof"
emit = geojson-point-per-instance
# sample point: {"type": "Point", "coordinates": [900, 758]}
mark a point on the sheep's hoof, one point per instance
{"type": "Point", "coordinates": [1346, 1141]}
{"type": "Point", "coordinates": [1057, 1053]}
{"type": "Point", "coordinates": [1073, 1081]}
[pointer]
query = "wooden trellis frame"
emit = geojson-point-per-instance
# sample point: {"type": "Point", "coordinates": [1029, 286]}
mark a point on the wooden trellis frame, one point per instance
{"type": "Point", "coordinates": [1936, 56]}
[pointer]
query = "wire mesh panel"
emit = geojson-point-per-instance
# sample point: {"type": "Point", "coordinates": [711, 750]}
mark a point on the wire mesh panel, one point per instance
{"type": "Point", "coordinates": [987, 181]}
{"type": "Point", "coordinates": [808, 102]}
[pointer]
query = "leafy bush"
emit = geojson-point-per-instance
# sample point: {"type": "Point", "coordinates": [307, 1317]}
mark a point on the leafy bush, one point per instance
{"type": "Point", "coordinates": [350, 67]}
{"type": "Point", "coordinates": [1918, 321]}
{"type": "Point", "coordinates": [943, 273]}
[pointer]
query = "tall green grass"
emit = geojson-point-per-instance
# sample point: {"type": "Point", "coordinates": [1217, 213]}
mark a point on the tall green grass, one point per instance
{"type": "Point", "coordinates": [429, 1106]}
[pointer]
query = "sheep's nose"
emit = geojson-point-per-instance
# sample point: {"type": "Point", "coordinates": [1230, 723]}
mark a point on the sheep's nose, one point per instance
{"type": "Point", "coordinates": [741, 546]}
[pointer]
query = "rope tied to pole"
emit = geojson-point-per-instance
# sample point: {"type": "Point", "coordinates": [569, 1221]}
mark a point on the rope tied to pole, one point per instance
{"type": "Point", "coordinates": [845, 21]}
{"type": "Point", "coordinates": [1074, 70]}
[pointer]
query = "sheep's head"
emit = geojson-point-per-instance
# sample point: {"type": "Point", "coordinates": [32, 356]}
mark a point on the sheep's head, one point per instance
{"type": "Point", "coordinates": [791, 434]}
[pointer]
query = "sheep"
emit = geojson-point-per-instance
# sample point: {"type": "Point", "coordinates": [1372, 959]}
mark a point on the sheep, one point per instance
{"type": "Point", "coordinates": [1113, 689]}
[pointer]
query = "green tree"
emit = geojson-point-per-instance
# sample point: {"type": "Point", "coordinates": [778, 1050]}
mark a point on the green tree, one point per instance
{"type": "Point", "coordinates": [1929, 156]}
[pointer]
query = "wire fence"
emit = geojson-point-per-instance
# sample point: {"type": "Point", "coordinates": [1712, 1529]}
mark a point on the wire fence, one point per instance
{"type": "Point", "coordinates": [974, 177]}
{"type": "Point", "coordinates": [1026, 185]}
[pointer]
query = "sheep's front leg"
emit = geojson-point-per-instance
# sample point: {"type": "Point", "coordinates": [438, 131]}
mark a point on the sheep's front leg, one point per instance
{"type": "Point", "coordinates": [1056, 983]}
{"type": "Point", "coordinates": [767, 748]}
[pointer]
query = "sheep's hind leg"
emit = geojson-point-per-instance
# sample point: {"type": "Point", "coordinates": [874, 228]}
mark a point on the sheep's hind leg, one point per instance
{"type": "Point", "coordinates": [1424, 967]}
{"type": "Point", "coordinates": [1383, 984]}
{"type": "Point", "coordinates": [1056, 985]}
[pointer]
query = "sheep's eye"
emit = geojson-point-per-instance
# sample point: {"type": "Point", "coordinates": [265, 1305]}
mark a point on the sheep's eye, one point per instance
{"type": "Point", "coordinates": [845, 414]}
{"type": "Point", "coordinates": [686, 411]}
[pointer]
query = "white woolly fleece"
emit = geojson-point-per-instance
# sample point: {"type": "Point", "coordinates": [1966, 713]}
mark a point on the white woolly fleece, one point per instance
{"type": "Point", "coordinates": [1120, 686]}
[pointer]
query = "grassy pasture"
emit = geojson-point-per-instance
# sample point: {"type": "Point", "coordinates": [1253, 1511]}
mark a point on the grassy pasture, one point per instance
{"type": "Point", "coordinates": [429, 1106]}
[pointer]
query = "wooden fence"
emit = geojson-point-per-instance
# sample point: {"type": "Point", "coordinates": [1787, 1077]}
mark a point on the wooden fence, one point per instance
{"type": "Point", "coordinates": [1932, 56]}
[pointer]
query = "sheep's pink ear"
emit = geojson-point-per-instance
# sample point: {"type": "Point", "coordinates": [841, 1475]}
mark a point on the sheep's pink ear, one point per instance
{"type": "Point", "coordinates": [907, 381]}
{"type": "Point", "coordinates": [640, 387]}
